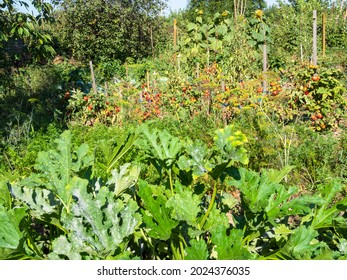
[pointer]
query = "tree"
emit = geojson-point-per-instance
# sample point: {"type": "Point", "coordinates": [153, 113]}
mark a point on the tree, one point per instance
{"type": "Point", "coordinates": [20, 33]}
{"type": "Point", "coordinates": [115, 29]}
{"type": "Point", "coordinates": [22, 37]}
{"type": "Point", "coordinates": [237, 7]}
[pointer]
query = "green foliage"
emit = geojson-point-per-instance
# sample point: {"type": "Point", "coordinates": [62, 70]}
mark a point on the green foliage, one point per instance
{"type": "Point", "coordinates": [129, 29]}
{"type": "Point", "coordinates": [229, 246]}
{"type": "Point", "coordinates": [123, 179]}
{"type": "Point", "coordinates": [156, 217]}
{"type": "Point", "coordinates": [21, 38]}
{"type": "Point", "coordinates": [221, 168]}
{"type": "Point", "coordinates": [10, 232]}
{"type": "Point", "coordinates": [262, 194]}
{"type": "Point", "coordinates": [197, 250]}
{"type": "Point", "coordinates": [185, 207]}
{"type": "Point", "coordinates": [115, 149]}
{"type": "Point", "coordinates": [254, 215]}
{"type": "Point", "coordinates": [96, 224]}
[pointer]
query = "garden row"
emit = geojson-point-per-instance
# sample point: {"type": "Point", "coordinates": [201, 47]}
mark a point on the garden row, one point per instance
{"type": "Point", "coordinates": [144, 193]}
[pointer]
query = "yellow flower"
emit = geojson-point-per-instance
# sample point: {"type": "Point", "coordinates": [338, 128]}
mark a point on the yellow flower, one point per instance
{"type": "Point", "coordinates": [259, 14]}
{"type": "Point", "coordinates": [225, 13]}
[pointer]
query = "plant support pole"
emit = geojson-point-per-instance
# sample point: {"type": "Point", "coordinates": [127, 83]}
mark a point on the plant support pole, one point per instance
{"type": "Point", "coordinates": [175, 35]}
{"type": "Point", "coordinates": [264, 62]}
{"type": "Point", "coordinates": [324, 21]}
{"type": "Point", "coordinates": [92, 74]}
{"type": "Point", "coordinates": [314, 58]}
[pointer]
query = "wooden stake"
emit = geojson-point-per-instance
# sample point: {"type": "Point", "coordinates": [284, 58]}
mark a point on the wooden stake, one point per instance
{"type": "Point", "coordinates": [264, 68]}
{"type": "Point", "coordinates": [175, 34]}
{"type": "Point", "coordinates": [93, 77]}
{"type": "Point", "coordinates": [314, 58]}
{"type": "Point", "coordinates": [148, 81]}
{"type": "Point", "coordinates": [152, 42]}
{"type": "Point", "coordinates": [324, 21]}
{"type": "Point", "coordinates": [223, 86]}
{"type": "Point", "coordinates": [264, 63]}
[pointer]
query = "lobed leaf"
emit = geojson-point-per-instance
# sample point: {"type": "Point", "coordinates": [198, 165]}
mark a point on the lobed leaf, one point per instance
{"type": "Point", "coordinates": [197, 250]}
{"type": "Point", "coordinates": [10, 231]}
{"type": "Point", "coordinates": [123, 179]}
{"type": "Point", "coordinates": [184, 207]}
{"type": "Point", "coordinates": [229, 246]}
{"type": "Point", "coordinates": [156, 216]}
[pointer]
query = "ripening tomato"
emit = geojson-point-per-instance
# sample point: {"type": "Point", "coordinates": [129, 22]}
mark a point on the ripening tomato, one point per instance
{"type": "Point", "coordinates": [315, 78]}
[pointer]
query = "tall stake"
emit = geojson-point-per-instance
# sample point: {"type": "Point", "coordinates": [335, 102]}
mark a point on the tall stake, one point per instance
{"type": "Point", "coordinates": [175, 34]}
{"type": "Point", "coordinates": [314, 58]}
{"type": "Point", "coordinates": [264, 68]}
{"type": "Point", "coordinates": [148, 85]}
{"type": "Point", "coordinates": [264, 62]}
{"type": "Point", "coordinates": [152, 42]}
{"type": "Point", "coordinates": [92, 74]}
{"type": "Point", "coordinates": [175, 43]}
{"type": "Point", "coordinates": [324, 20]}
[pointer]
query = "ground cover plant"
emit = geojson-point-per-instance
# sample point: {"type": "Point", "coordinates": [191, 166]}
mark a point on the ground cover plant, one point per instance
{"type": "Point", "coordinates": [185, 151]}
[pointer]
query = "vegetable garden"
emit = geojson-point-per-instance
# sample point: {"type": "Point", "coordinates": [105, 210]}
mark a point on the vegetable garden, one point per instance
{"type": "Point", "coordinates": [186, 148]}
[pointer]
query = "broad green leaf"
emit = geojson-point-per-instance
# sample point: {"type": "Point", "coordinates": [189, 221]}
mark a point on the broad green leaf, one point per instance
{"type": "Point", "coordinates": [259, 193]}
{"type": "Point", "coordinates": [216, 218]}
{"type": "Point", "coordinates": [256, 191]}
{"type": "Point", "coordinates": [282, 232]}
{"type": "Point", "coordinates": [302, 244]}
{"type": "Point", "coordinates": [5, 195]}
{"type": "Point", "coordinates": [327, 213]}
{"type": "Point", "coordinates": [198, 158]}
{"type": "Point", "coordinates": [229, 200]}
{"type": "Point", "coordinates": [160, 146]}
{"type": "Point", "coordinates": [276, 176]}
{"type": "Point", "coordinates": [10, 232]}
{"type": "Point", "coordinates": [197, 250]}
{"type": "Point", "coordinates": [156, 216]}
{"type": "Point", "coordinates": [229, 246]}
{"type": "Point", "coordinates": [62, 249]}
{"type": "Point", "coordinates": [184, 207]}
{"type": "Point", "coordinates": [123, 179]}
{"type": "Point", "coordinates": [41, 202]}
{"type": "Point", "coordinates": [191, 26]}
{"type": "Point", "coordinates": [222, 30]}
{"type": "Point", "coordinates": [342, 246]}
{"type": "Point", "coordinates": [115, 149]}
{"type": "Point", "coordinates": [98, 225]}
{"type": "Point", "coordinates": [58, 167]}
